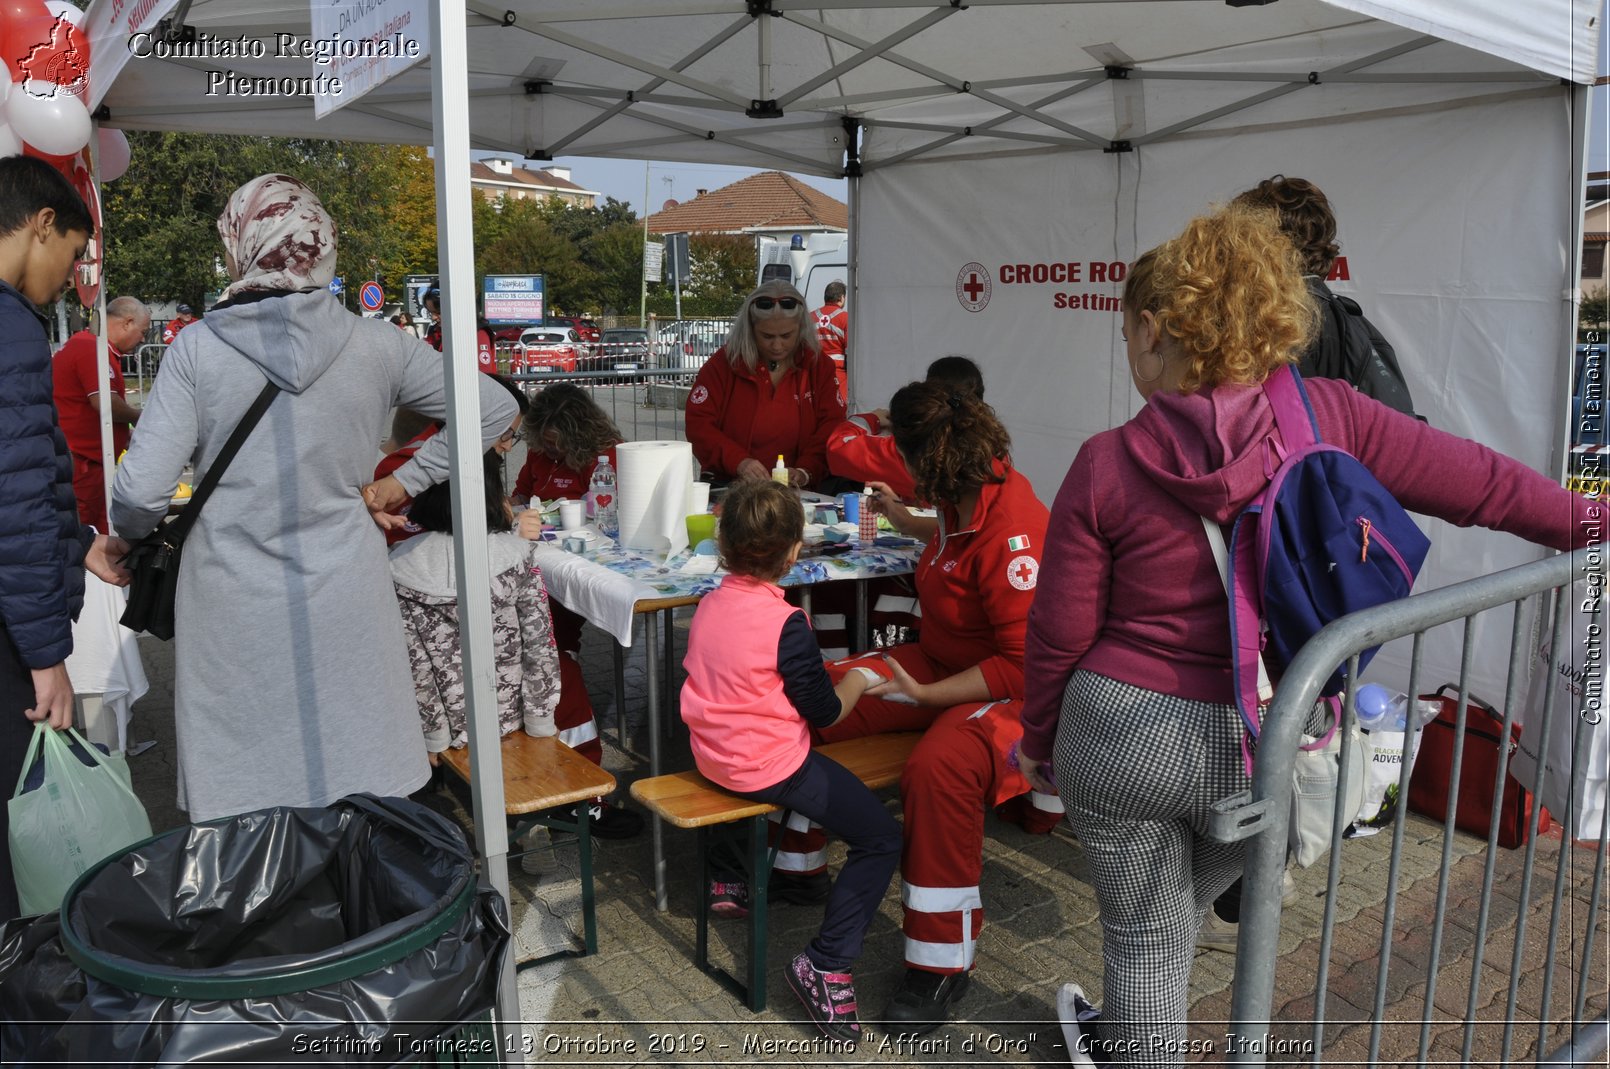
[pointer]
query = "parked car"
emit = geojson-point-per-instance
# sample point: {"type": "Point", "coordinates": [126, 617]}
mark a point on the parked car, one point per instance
{"type": "Point", "coordinates": [624, 348]}
{"type": "Point", "coordinates": [690, 343]}
{"type": "Point", "coordinates": [547, 349]}
{"type": "Point", "coordinates": [585, 329]}
{"type": "Point", "coordinates": [511, 332]}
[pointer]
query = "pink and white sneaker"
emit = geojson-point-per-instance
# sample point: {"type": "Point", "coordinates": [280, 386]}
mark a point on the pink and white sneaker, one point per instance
{"type": "Point", "coordinates": [829, 998]}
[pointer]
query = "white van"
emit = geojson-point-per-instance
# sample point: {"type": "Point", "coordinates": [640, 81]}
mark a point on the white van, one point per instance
{"type": "Point", "coordinates": [809, 261]}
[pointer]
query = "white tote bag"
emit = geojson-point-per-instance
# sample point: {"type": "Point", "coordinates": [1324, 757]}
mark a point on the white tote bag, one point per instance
{"type": "Point", "coordinates": [1577, 664]}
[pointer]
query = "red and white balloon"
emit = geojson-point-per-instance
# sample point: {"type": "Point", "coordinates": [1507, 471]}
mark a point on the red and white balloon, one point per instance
{"type": "Point", "coordinates": [44, 101]}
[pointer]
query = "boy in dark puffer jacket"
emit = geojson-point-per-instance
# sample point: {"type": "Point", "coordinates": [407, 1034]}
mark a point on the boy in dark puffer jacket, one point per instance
{"type": "Point", "coordinates": [44, 228]}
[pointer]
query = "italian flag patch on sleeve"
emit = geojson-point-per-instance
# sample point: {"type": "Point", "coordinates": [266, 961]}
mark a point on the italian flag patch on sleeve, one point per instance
{"type": "Point", "coordinates": [1017, 542]}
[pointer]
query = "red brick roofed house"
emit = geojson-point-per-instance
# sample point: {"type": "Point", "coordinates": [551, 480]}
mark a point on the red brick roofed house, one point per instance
{"type": "Point", "coordinates": [496, 179]}
{"type": "Point", "coordinates": [770, 203]}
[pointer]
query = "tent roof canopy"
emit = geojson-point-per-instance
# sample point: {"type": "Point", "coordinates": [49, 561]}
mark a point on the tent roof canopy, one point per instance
{"type": "Point", "coordinates": [791, 83]}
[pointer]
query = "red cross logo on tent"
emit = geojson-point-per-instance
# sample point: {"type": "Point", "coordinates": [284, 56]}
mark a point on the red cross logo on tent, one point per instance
{"type": "Point", "coordinates": [973, 286]}
{"type": "Point", "coordinates": [1023, 572]}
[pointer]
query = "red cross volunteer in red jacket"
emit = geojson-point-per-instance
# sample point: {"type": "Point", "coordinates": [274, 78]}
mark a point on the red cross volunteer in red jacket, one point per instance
{"type": "Point", "coordinates": [766, 393]}
{"type": "Point", "coordinates": [961, 682]}
{"type": "Point", "coordinates": [833, 332]}
{"type": "Point", "coordinates": [77, 387]}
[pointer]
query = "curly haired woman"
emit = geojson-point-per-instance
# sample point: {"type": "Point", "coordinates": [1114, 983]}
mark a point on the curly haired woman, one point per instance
{"type": "Point", "coordinates": [1128, 645]}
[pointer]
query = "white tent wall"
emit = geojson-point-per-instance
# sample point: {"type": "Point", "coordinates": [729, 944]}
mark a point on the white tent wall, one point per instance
{"type": "Point", "coordinates": [1457, 251]}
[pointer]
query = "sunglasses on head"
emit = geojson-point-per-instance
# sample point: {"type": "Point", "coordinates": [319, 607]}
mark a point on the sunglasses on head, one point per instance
{"type": "Point", "coordinates": [766, 304]}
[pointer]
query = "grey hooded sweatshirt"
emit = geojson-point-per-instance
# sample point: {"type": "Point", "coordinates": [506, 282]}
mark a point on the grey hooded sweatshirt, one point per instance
{"type": "Point", "coordinates": [292, 685]}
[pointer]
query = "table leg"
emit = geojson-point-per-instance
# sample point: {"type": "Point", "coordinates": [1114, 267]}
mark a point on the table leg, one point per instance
{"type": "Point", "coordinates": [669, 683]}
{"type": "Point", "coordinates": [651, 641]}
{"type": "Point", "coordinates": [620, 698]}
{"type": "Point", "coordinates": [861, 638]}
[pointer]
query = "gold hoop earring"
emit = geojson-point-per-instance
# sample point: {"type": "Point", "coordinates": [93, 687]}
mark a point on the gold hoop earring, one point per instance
{"type": "Point", "coordinates": [1149, 378]}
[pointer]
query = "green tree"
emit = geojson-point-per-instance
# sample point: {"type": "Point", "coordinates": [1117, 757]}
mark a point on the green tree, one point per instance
{"type": "Point", "coordinates": [161, 217]}
{"type": "Point", "coordinates": [1594, 311]}
{"type": "Point", "coordinates": [514, 237]}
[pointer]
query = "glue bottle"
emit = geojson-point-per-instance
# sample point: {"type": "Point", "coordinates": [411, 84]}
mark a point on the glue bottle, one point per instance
{"type": "Point", "coordinates": [868, 532]}
{"type": "Point", "coordinates": [779, 471]}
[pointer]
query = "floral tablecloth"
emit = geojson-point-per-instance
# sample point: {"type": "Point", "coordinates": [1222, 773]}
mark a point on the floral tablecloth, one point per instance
{"type": "Point", "coordinates": [605, 584]}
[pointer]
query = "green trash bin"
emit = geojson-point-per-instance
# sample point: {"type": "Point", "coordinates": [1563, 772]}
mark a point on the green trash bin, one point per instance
{"type": "Point", "coordinates": [354, 934]}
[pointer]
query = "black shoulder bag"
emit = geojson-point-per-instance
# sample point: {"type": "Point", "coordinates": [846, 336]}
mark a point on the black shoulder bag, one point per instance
{"type": "Point", "coordinates": [154, 559]}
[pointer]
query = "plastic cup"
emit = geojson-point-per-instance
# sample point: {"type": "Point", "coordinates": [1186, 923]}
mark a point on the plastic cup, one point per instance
{"type": "Point", "coordinates": [850, 507]}
{"type": "Point", "coordinates": [701, 525]}
{"type": "Point", "coordinates": [570, 515]}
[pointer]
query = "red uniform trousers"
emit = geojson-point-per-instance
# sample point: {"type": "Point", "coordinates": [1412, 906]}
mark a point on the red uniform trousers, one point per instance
{"type": "Point", "coordinates": [89, 488]}
{"type": "Point", "coordinates": [574, 715]}
{"type": "Point", "coordinates": [958, 768]}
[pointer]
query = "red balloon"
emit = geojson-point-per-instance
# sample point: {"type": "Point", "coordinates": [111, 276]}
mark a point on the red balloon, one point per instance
{"type": "Point", "coordinates": [12, 10]}
{"type": "Point", "coordinates": [49, 50]}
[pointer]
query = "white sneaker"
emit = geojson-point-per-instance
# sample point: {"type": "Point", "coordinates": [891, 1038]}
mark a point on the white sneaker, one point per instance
{"type": "Point", "coordinates": [531, 860]}
{"type": "Point", "coordinates": [1217, 934]}
{"type": "Point", "coordinates": [1073, 1009]}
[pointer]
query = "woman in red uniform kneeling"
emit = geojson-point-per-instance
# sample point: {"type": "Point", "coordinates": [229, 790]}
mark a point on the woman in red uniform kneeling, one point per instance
{"type": "Point", "coordinates": [961, 682]}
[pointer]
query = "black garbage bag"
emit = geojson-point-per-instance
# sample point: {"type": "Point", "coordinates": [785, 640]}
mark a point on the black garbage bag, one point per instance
{"type": "Point", "coordinates": [350, 934]}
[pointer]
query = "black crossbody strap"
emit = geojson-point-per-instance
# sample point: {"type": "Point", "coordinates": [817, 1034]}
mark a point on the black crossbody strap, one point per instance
{"type": "Point", "coordinates": [180, 527]}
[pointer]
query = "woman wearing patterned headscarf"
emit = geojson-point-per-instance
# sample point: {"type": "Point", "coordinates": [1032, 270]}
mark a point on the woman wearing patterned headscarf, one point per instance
{"type": "Point", "coordinates": [292, 683]}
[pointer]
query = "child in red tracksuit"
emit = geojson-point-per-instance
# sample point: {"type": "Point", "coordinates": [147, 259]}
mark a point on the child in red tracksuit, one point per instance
{"type": "Point", "coordinates": [756, 686]}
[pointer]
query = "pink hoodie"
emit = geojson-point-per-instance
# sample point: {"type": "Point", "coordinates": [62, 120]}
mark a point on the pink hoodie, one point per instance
{"type": "Point", "coordinates": [1128, 587]}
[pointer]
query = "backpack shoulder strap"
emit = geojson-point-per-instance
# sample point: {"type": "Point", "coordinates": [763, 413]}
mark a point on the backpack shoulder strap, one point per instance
{"type": "Point", "coordinates": [1294, 416]}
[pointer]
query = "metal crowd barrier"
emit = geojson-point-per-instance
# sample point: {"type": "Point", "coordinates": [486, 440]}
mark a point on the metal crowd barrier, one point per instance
{"type": "Point", "coordinates": [1506, 1016]}
{"type": "Point", "coordinates": [645, 404]}
{"type": "Point", "coordinates": [142, 363]}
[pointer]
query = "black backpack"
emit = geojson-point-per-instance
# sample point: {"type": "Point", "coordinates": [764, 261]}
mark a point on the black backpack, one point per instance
{"type": "Point", "coordinates": [1351, 349]}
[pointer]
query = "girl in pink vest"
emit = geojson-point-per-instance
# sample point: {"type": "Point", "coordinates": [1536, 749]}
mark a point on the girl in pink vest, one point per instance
{"type": "Point", "coordinates": [756, 685]}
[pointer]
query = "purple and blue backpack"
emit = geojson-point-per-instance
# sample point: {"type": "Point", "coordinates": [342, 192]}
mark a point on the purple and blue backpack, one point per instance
{"type": "Point", "coordinates": [1324, 539]}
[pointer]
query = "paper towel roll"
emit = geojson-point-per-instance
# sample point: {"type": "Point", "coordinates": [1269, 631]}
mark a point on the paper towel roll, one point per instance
{"type": "Point", "coordinates": [653, 489]}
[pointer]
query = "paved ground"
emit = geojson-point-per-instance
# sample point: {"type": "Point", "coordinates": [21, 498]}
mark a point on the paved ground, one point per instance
{"type": "Point", "coordinates": [640, 1001]}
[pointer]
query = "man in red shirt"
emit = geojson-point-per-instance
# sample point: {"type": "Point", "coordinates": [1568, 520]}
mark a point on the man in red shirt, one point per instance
{"type": "Point", "coordinates": [78, 401]}
{"type": "Point", "coordinates": [833, 329]}
{"type": "Point", "coordinates": [485, 353]}
{"type": "Point", "coordinates": [183, 318]}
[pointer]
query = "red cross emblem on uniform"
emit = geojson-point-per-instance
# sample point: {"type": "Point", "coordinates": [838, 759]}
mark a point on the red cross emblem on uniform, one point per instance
{"type": "Point", "coordinates": [1023, 572]}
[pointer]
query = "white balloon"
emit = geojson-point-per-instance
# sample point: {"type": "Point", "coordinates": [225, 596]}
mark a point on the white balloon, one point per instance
{"type": "Point", "coordinates": [10, 143]}
{"type": "Point", "coordinates": [112, 153]}
{"type": "Point", "coordinates": [5, 88]}
{"type": "Point", "coordinates": [71, 12]}
{"type": "Point", "coordinates": [57, 124]}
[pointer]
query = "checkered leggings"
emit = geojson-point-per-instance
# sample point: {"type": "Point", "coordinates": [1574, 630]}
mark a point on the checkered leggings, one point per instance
{"type": "Point", "coordinates": [1140, 772]}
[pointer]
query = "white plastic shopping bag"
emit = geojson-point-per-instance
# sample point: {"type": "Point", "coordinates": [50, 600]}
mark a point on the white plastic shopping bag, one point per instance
{"type": "Point", "coordinates": [1574, 728]}
{"type": "Point", "coordinates": [78, 814]}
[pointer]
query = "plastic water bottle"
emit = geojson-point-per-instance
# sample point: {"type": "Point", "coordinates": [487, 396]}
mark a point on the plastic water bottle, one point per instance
{"type": "Point", "coordinates": [1381, 710]}
{"type": "Point", "coordinates": [601, 497]}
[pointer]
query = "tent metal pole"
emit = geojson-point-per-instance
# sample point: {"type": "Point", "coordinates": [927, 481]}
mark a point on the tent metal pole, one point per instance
{"type": "Point", "coordinates": [450, 110]}
{"type": "Point", "coordinates": [554, 148]}
{"type": "Point", "coordinates": [871, 52]}
{"type": "Point", "coordinates": [1581, 127]}
{"type": "Point", "coordinates": [103, 373]}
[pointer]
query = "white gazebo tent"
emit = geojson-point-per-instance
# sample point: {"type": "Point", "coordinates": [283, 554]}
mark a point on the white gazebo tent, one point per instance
{"type": "Point", "coordinates": [1006, 159]}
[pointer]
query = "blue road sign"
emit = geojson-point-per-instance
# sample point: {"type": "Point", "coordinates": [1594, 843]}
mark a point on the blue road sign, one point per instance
{"type": "Point", "coordinates": [371, 296]}
{"type": "Point", "coordinates": [337, 285]}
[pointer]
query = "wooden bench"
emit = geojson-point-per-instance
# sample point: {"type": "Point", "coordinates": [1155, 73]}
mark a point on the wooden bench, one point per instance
{"type": "Point", "coordinates": [540, 775]}
{"type": "Point", "coordinates": [688, 800]}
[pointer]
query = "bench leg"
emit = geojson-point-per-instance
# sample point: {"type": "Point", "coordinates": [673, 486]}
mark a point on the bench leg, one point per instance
{"type": "Point", "coordinates": [620, 697]}
{"type": "Point", "coordinates": [757, 857]}
{"type": "Point", "coordinates": [582, 828]}
{"type": "Point", "coordinates": [760, 877]}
